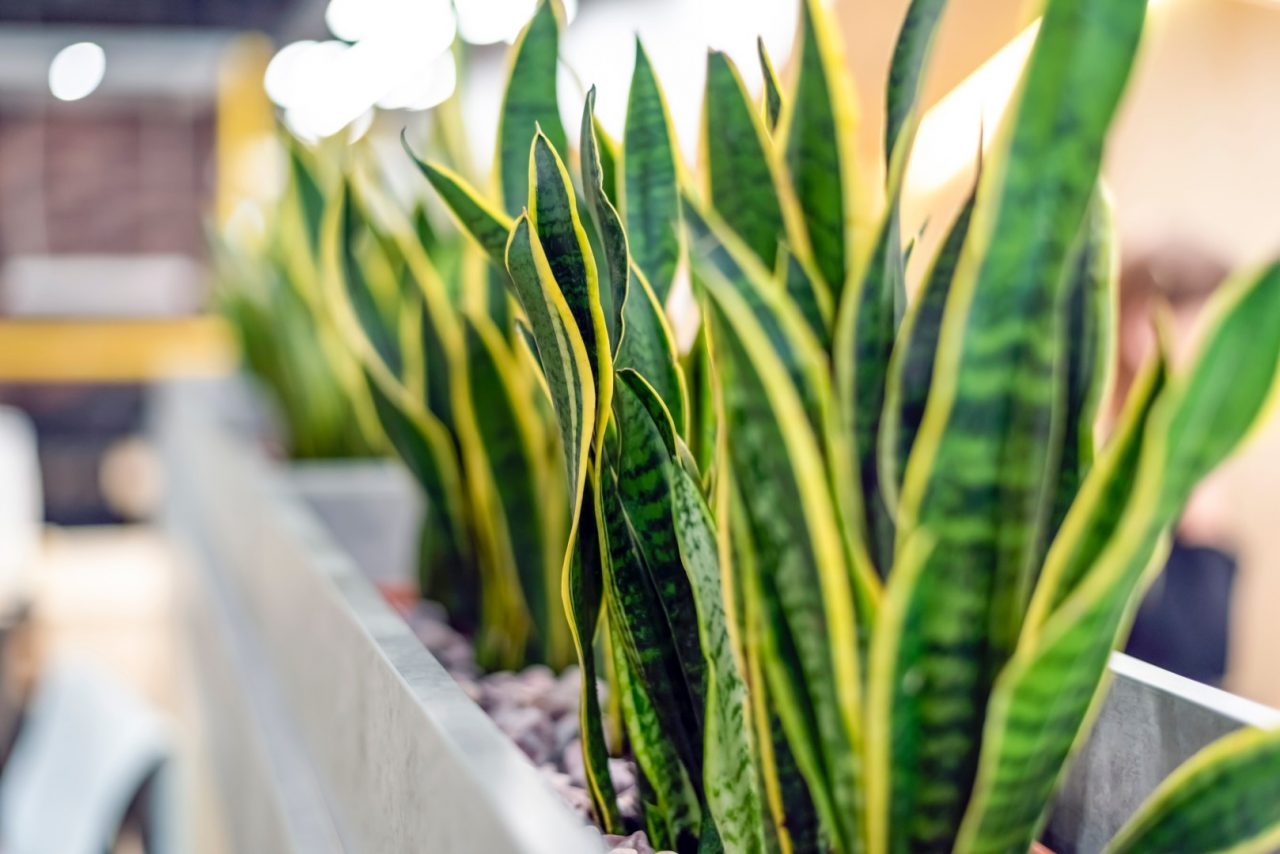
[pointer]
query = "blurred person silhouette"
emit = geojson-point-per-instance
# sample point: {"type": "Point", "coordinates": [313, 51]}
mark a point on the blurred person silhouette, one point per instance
{"type": "Point", "coordinates": [85, 767]}
{"type": "Point", "coordinates": [1182, 624]}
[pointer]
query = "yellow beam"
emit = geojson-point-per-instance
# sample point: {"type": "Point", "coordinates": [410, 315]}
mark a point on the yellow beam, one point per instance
{"type": "Point", "coordinates": [114, 351]}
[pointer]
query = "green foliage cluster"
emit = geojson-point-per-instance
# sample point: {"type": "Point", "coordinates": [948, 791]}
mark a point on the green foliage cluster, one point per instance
{"type": "Point", "coordinates": [852, 566]}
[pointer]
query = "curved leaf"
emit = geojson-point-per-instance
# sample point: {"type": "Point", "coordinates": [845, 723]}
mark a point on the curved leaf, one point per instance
{"type": "Point", "coordinates": [818, 129]}
{"type": "Point", "coordinates": [975, 478]}
{"type": "Point", "coordinates": [1047, 692]}
{"type": "Point", "coordinates": [650, 173]}
{"type": "Point", "coordinates": [529, 103]}
{"type": "Point", "coordinates": [1225, 798]}
{"type": "Point", "coordinates": [488, 227]}
{"type": "Point", "coordinates": [772, 88]}
{"type": "Point", "coordinates": [906, 71]}
{"type": "Point", "coordinates": [553, 214]}
{"type": "Point", "coordinates": [808, 621]}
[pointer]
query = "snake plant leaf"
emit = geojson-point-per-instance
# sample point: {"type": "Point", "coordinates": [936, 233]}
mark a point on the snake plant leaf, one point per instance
{"type": "Point", "coordinates": [529, 103]}
{"type": "Point", "coordinates": [818, 132]}
{"type": "Point", "coordinates": [804, 285]}
{"type": "Point", "coordinates": [447, 569]}
{"type": "Point", "coordinates": [1225, 798]}
{"type": "Point", "coordinates": [488, 227]}
{"type": "Point", "coordinates": [1087, 344]}
{"type": "Point", "coordinates": [663, 734]}
{"type": "Point", "coordinates": [583, 592]}
{"type": "Point", "coordinates": [358, 287]}
{"type": "Point", "coordinates": [560, 349]}
{"type": "Point", "coordinates": [528, 528]}
{"type": "Point", "coordinates": [610, 154]}
{"type": "Point", "coordinates": [911, 365]}
{"type": "Point", "coordinates": [644, 489]}
{"type": "Point", "coordinates": [717, 250]}
{"type": "Point", "coordinates": [650, 179]}
{"type": "Point", "coordinates": [792, 819]}
{"type": "Point", "coordinates": [807, 617]}
{"type": "Point", "coordinates": [648, 347]}
{"type": "Point", "coordinates": [730, 769]}
{"type": "Point", "coordinates": [742, 178]}
{"type": "Point", "coordinates": [772, 88]}
{"type": "Point", "coordinates": [553, 214]}
{"type": "Point", "coordinates": [863, 347]}
{"type": "Point", "coordinates": [1048, 690]}
{"type": "Point", "coordinates": [308, 195]}
{"type": "Point", "coordinates": [972, 478]}
{"type": "Point", "coordinates": [1096, 513]}
{"type": "Point", "coordinates": [906, 70]}
{"type": "Point", "coordinates": [606, 220]}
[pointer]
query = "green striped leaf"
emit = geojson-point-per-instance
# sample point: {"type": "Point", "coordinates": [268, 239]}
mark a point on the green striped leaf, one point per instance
{"type": "Point", "coordinates": [553, 214]}
{"type": "Point", "coordinates": [804, 285]}
{"type": "Point", "coordinates": [1225, 798]}
{"type": "Point", "coordinates": [863, 346]}
{"type": "Point", "coordinates": [1096, 513]}
{"type": "Point", "coordinates": [367, 301]}
{"type": "Point", "coordinates": [741, 176]}
{"type": "Point", "coordinates": [730, 770]}
{"type": "Point", "coordinates": [608, 225]}
{"type": "Point", "coordinates": [657, 705]}
{"type": "Point", "coordinates": [583, 595]}
{"type": "Point", "coordinates": [644, 488]}
{"type": "Point", "coordinates": [792, 819]}
{"type": "Point", "coordinates": [1049, 689]}
{"type": "Point", "coordinates": [560, 349]}
{"type": "Point", "coordinates": [772, 88]}
{"type": "Point", "coordinates": [528, 530]}
{"type": "Point", "coordinates": [911, 365]}
{"type": "Point", "coordinates": [906, 71]}
{"type": "Point", "coordinates": [808, 621]}
{"type": "Point", "coordinates": [1087, 346]}
{"type": "Point", "coordinates": [717, 250]}
{"type": "Point", "coordinates": [610, 154]}
{"type": "Point", "coordinates": [650, 175]}
{"type": "Point", "coordinates": [488, 227]}
{"type": "Point", "coordinates": [648, 347]}
{"type": "Point", "coordinates": [974, 478]}
{"type": "Point", "coordinates": [818, 133]}
{"type": "Point", "coordinates": [529, 103]}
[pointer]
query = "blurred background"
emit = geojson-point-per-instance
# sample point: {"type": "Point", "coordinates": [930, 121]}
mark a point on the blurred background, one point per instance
{"type": "Point", "coordinates": [130, 130]}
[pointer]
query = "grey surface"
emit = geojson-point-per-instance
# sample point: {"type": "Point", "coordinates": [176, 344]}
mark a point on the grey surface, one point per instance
{"type": "Point", "coordinates": [1151, 722]}
{"type": "Point", "coordinates": [271, 796]}
{"type": "Point", "coordinates": [371, 508]}
{"type": "Point", "coordinates": [406, 761]}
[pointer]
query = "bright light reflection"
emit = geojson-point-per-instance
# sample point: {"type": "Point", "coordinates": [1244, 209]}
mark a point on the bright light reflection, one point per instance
{"type": "Point", "coordinates": [491, 21]}
{"type": "Point", "coordinates": [76, 71]}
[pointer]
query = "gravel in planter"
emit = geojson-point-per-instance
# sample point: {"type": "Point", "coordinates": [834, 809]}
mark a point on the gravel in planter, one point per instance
{"type": "Point", "coordinates": [539, 712]}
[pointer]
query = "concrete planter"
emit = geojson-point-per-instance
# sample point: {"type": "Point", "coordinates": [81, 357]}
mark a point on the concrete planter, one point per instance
{"type": "Point", "coordinates": [373, 748]}
{"type": "Point", "coordinates": [398, 758]}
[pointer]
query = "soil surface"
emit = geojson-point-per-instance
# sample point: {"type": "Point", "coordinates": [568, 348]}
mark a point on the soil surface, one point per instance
{"type": "Point", "coordinates": [538, 710]}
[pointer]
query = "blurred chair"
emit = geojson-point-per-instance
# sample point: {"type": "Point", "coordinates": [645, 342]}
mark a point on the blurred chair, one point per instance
{"type": "Point", "coordinates": [91, 771]}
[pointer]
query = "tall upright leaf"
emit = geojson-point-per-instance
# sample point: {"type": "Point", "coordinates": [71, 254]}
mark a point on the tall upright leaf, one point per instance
{"type": "Point", "coordinates": [772, 88]}
{"type": "Point", "coordinates": [530, 102]}
{"type": "Point", "coordinates": [650, 179]}
{"type": "Point", "coordinates": [553, 214]}
{"type": "Point", "coordinates": [742, 173]}
{"type": "Point", "coordinates": [911, 365]}
{"type": "Point", "coordinates": [807, 619]}
{"type": "Point", "coordinates": [819, 126]}
{"type": "Point", "coordinates": [975, 479]}
{"type": "Point", "coordinates": [906, 71]}
{"type": "Point", "coordinates": [1048, 690]}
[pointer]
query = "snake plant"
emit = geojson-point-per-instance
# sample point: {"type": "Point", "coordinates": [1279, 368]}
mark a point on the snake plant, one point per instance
{"type": "Point", "coordinates": [854, 566]}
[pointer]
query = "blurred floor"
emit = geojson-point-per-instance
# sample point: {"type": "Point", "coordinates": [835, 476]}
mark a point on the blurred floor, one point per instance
{"type": "Point", "coordinates": [105, 596]}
